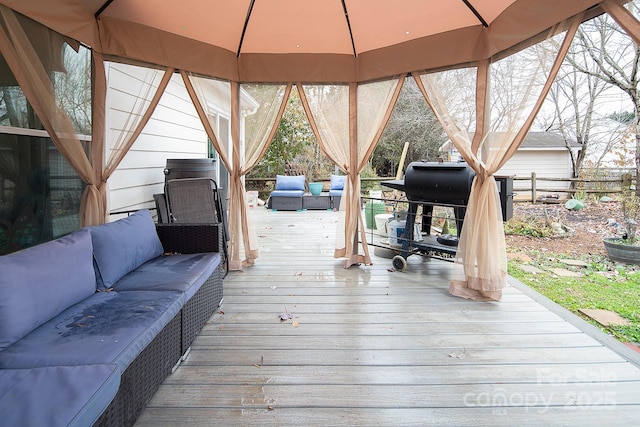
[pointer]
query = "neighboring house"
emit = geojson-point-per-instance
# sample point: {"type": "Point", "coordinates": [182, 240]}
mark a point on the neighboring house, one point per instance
{"type": "Point", "coordinates": [544, 153]}
{"type": "Point", "coordinates": [173, 132]}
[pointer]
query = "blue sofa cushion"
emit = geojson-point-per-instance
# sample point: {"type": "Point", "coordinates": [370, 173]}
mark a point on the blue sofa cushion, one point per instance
{"type": "Point", "coordinates": [287, 193]}
{"type": "Point", "coordinates": [335, 192]}
{"type": "Point", "coordinates": [57, 396]}
{"type": "Point", "coordinates": [106, 328]}
{"type": "Point", "coordinates": [288, 183]}
{"type": "Point", "coordinates": [179, 272]}
{"type": "Point", "coordinates": [40, 282]}
{"type": "Point", "coordinates": [123, 245]}
{"type": "Point", "coordinates": [337, 182]}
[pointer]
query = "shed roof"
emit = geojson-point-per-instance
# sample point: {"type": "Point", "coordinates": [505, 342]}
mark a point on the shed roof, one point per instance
{"type": "Point", "coordinates": [550, 141]}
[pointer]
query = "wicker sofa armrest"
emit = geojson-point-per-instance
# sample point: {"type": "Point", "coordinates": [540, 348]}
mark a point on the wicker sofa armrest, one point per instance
{"type": "Point", "coordinates": [190, 238]}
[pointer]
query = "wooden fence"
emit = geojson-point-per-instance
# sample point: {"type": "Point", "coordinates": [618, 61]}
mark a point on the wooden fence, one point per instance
{"type": "Point", "coordinates": [537, 188]}
{"type": "Point", "coordinates": [583, 187]}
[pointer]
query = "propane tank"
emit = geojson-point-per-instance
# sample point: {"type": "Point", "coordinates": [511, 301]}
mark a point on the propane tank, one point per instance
{"type": "Point", "coordinates": [395, 230]}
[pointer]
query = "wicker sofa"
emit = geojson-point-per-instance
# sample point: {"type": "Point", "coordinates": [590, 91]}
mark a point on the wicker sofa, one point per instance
{"type": "Point", "coordinates": [92, 323]}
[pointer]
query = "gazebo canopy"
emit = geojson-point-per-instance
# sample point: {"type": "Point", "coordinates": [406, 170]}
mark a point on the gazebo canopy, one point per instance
{"type": "Point", "coordinates": [329, 41]}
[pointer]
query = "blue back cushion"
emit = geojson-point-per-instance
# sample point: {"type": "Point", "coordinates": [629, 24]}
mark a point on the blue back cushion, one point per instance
{"type": "Point", "coordinates": [40, 282]}
{"type": "Point", "coordinates": [337, 182]}
{"type": "Point", "coordinates": [123, 245]}
{"type": "Point", "coordinates": [290, 182]}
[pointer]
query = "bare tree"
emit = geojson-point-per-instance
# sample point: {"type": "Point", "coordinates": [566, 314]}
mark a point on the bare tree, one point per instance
{"type": "Point", "coordinates": [412, 121]}
{"type": "Point", "coordinates": [602, 50]}
{"type": "Point", "coordinates": [575, 96]}
{"type": "Point", "coordinates": [73, 88]}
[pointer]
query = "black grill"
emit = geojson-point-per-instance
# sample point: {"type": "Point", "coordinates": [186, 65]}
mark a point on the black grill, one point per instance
{"type": "Point", "coordinates": [438, 183]}
{"type": "Point", "coordinates": [446, 184]}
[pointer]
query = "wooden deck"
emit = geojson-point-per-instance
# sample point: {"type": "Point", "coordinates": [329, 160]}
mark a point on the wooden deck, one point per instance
{"type": "Point", "coordinates": [367, 346]}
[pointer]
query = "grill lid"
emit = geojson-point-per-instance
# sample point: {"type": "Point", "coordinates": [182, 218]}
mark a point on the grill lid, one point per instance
{"type": "Point", "coordinates": [447, 183]}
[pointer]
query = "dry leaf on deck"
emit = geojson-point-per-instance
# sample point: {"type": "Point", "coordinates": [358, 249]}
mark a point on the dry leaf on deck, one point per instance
{"type": "Point", "coordinates": [286, 315]}
{"type": "Point", "coordinates": [458, 354]}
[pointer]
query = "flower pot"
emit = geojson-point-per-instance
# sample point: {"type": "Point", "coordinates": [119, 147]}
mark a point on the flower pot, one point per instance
{"type": "Point", "coordinates": [315, 188]}
{"type": "Point", "coordinates": [622, 252]}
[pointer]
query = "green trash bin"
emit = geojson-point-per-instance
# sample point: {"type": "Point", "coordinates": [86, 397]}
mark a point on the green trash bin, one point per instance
{"type": "Point", "coordinates": [371, 209]}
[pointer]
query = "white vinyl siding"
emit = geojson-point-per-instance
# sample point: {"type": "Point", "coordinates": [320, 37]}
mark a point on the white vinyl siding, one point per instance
{"type": "Point", "coordinates": [545, 163]}
{"type": "Point", "coordinates": [173, 132]}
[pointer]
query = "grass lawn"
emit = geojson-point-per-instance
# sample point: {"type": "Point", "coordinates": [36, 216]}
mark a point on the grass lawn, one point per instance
{"type": "Point", "coordinates": [603, 285]}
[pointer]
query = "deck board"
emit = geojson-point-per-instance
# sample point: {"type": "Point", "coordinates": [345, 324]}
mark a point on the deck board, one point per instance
{"type": "Point", "coordinates": [419, 417]}
{"type": "Point", "coordinates": [383, 342]}
{"type": "Point", "coordinates": [398, 374]}
{"type": "Point", "coordinates": [238, 330]}
{"type": "Point", "coordinates": [406, 357]}
{"type": "Point", "coordinates": [376, 347]}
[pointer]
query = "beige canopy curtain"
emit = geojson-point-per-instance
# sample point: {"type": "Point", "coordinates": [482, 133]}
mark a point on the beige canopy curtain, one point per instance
{"type": "Point", "coordinates": [260, 128]}
{"type": "Point", "coordinates": [347, 122]}
{"type": "Point", "coordinates": [31, 74]}
{"type": "Point", "coordinates": [148, 85]}
{"type": "Point", "coordinates": [267, 107]}
{"type": "Point", "coordinates": [625, 18]}
{"type": "Point", "coordinates": [98, 119]}
{"type": "Point", "coordinates": [508, 94]}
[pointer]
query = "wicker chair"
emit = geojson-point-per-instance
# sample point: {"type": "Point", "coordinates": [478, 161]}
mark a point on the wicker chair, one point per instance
{"type": "Point", "coordinates": [192, 200]}
{"type": "Point", "coordinates": [197, 201]}
{"type": "Point", "coordinates": [161, 208]}
{"type": "Point", "coordinates": [336, 188]}
{"type": "Point", "coordinates": [288, 193]}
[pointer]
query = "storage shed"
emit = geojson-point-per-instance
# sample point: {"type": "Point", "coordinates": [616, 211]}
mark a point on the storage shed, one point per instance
{"type": "Point", "coordinates": [544, 153]}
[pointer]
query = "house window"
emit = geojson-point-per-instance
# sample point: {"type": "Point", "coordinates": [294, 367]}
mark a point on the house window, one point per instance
{"type": "Point", "coordinates": [39, 191]}
{"type": "Point", "coordinates": [222, 127]}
